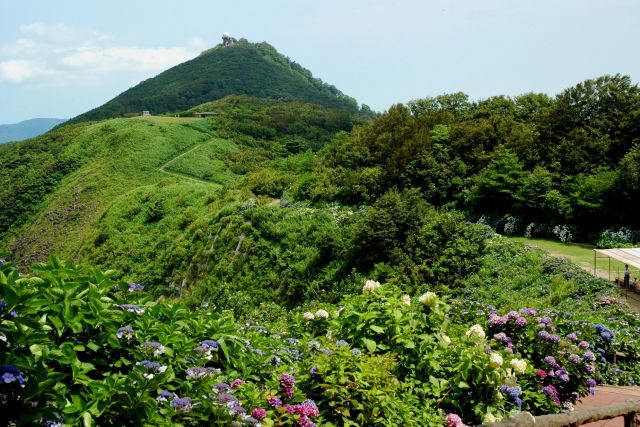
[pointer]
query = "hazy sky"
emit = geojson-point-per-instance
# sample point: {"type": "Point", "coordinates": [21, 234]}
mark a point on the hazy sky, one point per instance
{"type": "Point", "coordinates": [59, 58]}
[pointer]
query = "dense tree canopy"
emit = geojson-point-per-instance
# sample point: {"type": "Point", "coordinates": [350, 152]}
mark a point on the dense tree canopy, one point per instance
{"type": "Point", "coordinates": [572, 159]}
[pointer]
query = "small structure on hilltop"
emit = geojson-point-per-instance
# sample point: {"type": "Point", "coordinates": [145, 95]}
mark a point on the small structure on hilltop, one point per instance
{"type": "Point", "coordinates": [227, 40]}
{"type": "Point", "coordinates": [205, 114]}
{"type": "Point", "coordinates": [146, 113]}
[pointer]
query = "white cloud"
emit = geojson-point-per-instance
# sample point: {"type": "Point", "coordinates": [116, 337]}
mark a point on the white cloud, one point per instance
{"type": "Point", "coordinates": [126, 58]}
{"type": "Point", "coordinates": [58, 54]}
{"type": "Point", "coordinates": [20, 71]}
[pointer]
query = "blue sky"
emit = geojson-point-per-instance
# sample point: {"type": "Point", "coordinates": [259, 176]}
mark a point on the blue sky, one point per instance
{"type": "Point", "coordinates": [61, 58]}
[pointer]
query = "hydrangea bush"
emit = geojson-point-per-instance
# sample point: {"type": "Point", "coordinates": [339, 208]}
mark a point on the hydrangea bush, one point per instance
{"type": "Point", "coordinates": [79, 348]}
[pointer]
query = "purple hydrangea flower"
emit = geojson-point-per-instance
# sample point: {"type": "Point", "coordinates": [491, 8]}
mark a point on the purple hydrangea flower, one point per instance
{"type": "Point", "coordinates": [551, 361]}
{"type": "Point", "coordinates": [237, 383]}
{"type": "Point", "coordinates": [583, 345]}
{"type": "Point", "coordinates": [341, 343]}
{"type": "Point", "coordinates": [181, 404]}
{"type": "Point", "coordinates": [259, 413]}
{"type": "Point", "coordinates": [287, 383]}
{"type": "Point", "coordinates": [545, 320]}
{"type": "Point", "coordinates": [500, 336]}
{"type": "Point", "coordinates": [495, 320]}
{"type": "Point", "coordinates": [275, 402]}
{"type": "Point", "coordinates": [589, 356]}
{"type": "Point", "coordinates": [521, 321]}
{"type": "Point", "coordinates": [573, 336]}
{"type": "Point", "coordinates": [574, 358]}
{"type": "Point", "coordinates": [310, 408]}
{"type": "Point", "coordinates": [552, 392]}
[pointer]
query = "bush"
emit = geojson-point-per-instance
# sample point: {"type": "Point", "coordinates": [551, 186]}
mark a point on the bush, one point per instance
{"type": "Point", "coordinates": [615, 239]}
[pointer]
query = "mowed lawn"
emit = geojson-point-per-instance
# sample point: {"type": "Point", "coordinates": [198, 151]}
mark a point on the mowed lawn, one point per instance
{"type": "Point", "coordinates": [579, 254]}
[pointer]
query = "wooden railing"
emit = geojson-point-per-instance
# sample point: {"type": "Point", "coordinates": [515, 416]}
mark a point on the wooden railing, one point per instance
{"type": "Point", "coordinates": [628, 410]}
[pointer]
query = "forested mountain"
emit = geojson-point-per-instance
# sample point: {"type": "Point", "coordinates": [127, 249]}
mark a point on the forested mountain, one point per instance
{"type": "Point", "coordinates": [256, 70]}
{"type": "Point", "coordinates": [27, 129]}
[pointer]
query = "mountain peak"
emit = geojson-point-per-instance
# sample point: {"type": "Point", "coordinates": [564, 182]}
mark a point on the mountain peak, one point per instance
{"type": "Point", "coordinates": [233, 67]}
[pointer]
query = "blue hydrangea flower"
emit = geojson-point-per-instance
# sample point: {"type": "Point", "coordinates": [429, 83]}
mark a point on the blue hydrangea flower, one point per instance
{"type": "Point", "coordinates": [157, 348]}
{"type": "Point", "coordinates": [134, 287]}
{"type": "Point", "coordinates": [165, 395]}
{"type": "Point", "coordinates": [125, 331]}
{"type": "Point", "coordinates": [11, 374]}
{"type": "Point", "coordinates": [131, 308]}
{"type": "Point", "coordinates": [514, 392]}
{"type": "Point", "coordinates": [221, 388]}
{"type": "Point", "coordinates": [198, 372]}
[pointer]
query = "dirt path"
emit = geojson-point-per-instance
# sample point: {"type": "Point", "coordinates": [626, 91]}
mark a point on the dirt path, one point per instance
{"type": "Point", "coordinates": [607, 395]}
{"type": "Point", "coordinates": [183, 175]}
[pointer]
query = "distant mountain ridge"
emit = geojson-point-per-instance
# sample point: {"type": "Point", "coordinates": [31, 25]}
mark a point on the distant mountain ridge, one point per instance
{"type": "Point", "coordinates": [254, 69]}
{"type": "Point", "coordinates": [27, 129]}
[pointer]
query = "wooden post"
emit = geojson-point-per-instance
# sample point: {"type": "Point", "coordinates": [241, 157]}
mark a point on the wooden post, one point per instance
{"type": "Point", "coordinates": [629, 419]}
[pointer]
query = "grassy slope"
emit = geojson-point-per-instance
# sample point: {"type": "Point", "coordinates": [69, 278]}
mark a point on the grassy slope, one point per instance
{"type": "Point", "coordinates": [127, 154]}
{"type": "Point", "coordinates": [579, 254]}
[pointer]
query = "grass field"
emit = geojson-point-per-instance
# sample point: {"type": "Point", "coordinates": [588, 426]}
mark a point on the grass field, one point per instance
{"type": "Point", "coordinates": [580, 254]}
{"type": "Point", "coordinates": [209, 161]}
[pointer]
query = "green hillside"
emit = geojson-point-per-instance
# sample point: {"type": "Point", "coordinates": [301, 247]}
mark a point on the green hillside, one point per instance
{"type": "Point", "coordinates": [285, 253]}
{"type": "Point", "coordinates": [256, 70]}
{"type": "Point", "coordinates": [143, 194]}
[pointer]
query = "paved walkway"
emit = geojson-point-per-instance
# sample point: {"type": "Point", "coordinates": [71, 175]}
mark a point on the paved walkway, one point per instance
{"type": "Point", "coordinates": [607, 395]}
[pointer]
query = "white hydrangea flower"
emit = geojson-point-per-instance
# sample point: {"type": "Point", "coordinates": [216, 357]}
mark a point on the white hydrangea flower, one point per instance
{"type": "Point", "coordinates": [308, 316]}
{"type": "Point", "coordinates": [518, 365]}
{"type": "Point", "coordinates": [495, 360]}
{"type": "Point", "coordinates": [489, 418]}
{"type": "Point", "coordinates": [406, 300]}
{"type": "Point", "coordinates": [446, 339]}
{"type": "Point", "coordinates": [476, 331]}
{"type": "Point", "coordinates": [370, 286]}
{"type": "Point", "coordinates": [322, 314]}
{"type": "Point", "coordinates": [428, 298]}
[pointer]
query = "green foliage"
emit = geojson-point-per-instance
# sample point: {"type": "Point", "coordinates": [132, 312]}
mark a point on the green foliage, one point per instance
{"type": "Point", "coordinates": [565, 160]}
